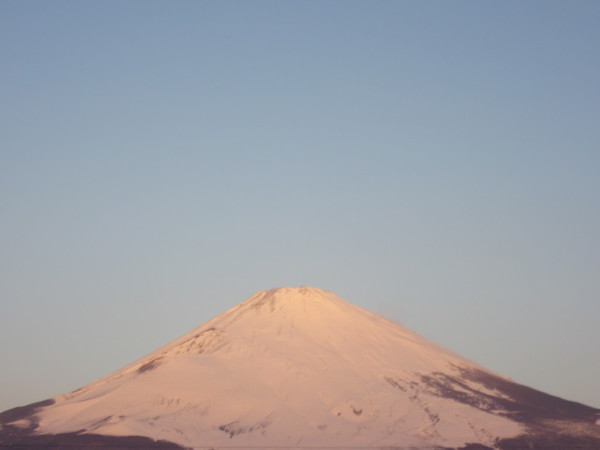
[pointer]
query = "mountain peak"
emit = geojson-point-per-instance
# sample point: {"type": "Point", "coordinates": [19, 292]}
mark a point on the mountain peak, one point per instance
{"type": "Point", "coordinates": [300, 291]}
{"type": "Point", "coordinates": [287, 302]}
{"type": "Point", "coordinates": [289, 295]}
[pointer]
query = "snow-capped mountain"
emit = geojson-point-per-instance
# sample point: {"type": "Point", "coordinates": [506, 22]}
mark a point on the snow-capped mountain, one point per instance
{"type": "Point", "coordinates": [301, 368]}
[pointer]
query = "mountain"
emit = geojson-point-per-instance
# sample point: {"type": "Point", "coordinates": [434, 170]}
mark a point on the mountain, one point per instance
{"type": "Point", "coordinates": [302, 368]}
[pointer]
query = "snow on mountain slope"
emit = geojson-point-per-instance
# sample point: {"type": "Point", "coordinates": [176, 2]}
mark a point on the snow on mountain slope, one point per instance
{"type": "Point", "coordinates": [294, 367]}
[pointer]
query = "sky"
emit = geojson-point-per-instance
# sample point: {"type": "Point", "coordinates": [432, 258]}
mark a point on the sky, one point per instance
{"type": "Point", "coordinates": [433, 162]}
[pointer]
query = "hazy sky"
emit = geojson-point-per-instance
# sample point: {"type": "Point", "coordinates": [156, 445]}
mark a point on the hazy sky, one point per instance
{"type": "Point", "coordinates": [434, 162]}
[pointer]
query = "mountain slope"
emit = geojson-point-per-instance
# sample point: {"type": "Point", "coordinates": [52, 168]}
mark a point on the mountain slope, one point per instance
{"type": "Point", "coordinates": [299, 367]}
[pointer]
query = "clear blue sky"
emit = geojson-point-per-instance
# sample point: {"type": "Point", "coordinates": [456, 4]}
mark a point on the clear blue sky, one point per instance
{"type": "Point", "coordinates": [434, 162]}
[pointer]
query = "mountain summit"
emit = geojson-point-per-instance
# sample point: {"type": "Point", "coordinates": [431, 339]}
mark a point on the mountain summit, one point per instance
{"type": "Point", "coordinates": [302, 368]}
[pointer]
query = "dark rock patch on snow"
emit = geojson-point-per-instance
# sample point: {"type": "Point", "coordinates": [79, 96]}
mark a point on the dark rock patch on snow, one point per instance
{"type": "Point", "coordinates": [204, 342]}
{"type": "Point", "coordinates": [20, 437]}
{"type": "Point", "coordinates": [551, 422]}
{"type": "Point", "coordinates": [531, 404]}
{"type": "Point", "coordinates": [150, 365]}
{"type": "Point", "coordinates": [23, 412]}
{"type": "Point", "coordinates": [234, 428]}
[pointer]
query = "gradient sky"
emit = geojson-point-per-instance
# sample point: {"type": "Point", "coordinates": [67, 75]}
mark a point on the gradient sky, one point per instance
{"type": "Point", "coordinates": [434, 162]}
